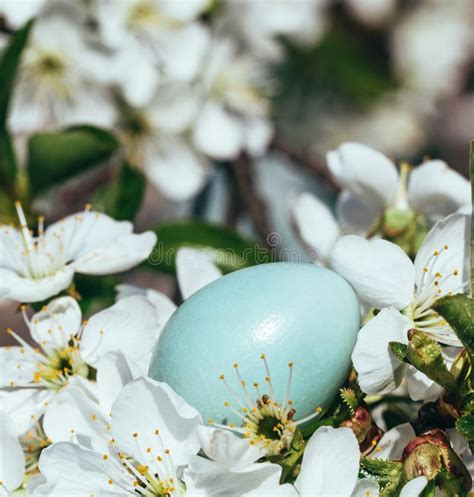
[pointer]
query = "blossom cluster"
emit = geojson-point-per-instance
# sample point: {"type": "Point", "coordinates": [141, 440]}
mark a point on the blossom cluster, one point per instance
{"type": "Point", "coordinates": [188, 83]}
{"type": "Point", "coordinates": [81, 417]}
{"type": "Point", "coordinates": [173, 89]}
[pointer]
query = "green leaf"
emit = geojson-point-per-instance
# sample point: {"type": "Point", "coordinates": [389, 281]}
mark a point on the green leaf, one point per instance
{"type": "Point", "coordinates": [8, 67]}
{"type": "Point", "coordinates": [290, 459]}
{"type": "Point", "coordinates": [349, 398]}
{"type": "Point", "coordinates": [380, 467]}
{"type": "Point", "coordinates": [458, 311]}
{"type": "Point", "coordinates": [465, 426]}
{"type": "Point", "coordinates": [57, 156]}
{"type": "Point", "coordinates": [450, 485]}
{"type": "Point", "coordinates": [471, 175]}
{"type": "Point", "coordinates": [341, 67]}
{"type": "Point", "coordinates": [229, 250]}
{"type": "Point", "coordinates": [429, 490]}
{"type": "Point", "coordinates": [95, 293]}
{"type": "Point", "coordinates": [127, 193]}
{"type": "Point", "coordinates": [389, 475]}
{"type": "Point", "coordinates": [425, 354]}
{"type": "Point", "coordinates": [399, 350]}
{"type": "Point", "coordinates": [8, 165]}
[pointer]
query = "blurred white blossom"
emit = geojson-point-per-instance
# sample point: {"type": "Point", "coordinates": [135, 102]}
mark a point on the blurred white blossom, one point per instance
{"type": "Point", "coordinates": [60, 83]}
{"type": "Point", "coordinates": [432, 45]}
{"type": "Point", "coordinates": [259, 23]}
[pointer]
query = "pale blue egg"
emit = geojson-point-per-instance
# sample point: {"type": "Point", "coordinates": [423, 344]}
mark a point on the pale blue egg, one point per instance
{"type": "Point", "coordinates": [298, 313]}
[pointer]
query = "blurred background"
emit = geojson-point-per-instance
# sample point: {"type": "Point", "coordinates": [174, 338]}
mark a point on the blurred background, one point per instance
{"type": "Point", "coordinates": [201, 119]}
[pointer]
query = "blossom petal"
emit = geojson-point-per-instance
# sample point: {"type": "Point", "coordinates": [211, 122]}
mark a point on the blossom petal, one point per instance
{"type": "Point", "coordinates": [182, 51]}
{"type": "Point", "coordinates": [73, 412]}
{"type": "Point", "coordinates": [97, 244]}
{"type": "Point", "coordinates": [330, 463]}
{"type": "Point", "coordinates": [138, 86]}
{"type": "Point", "coordinates": [227, 449]}
{"type": "Point", "coordinates": [174, 107]}
{"type": "Point", "coordinates": [124, 253]}
{"type": "Point", "coordinates": [449, 238]}
{"type": "Point", "coordinates": [366, 488]}
{"type": "Point", "coordinates": [393, 442]}
{"type": "Point", "coordinates": [18, 366]}
{"type": "Point", "coordinates": [356, 214]}
{"type": "Point", "coordinates": [175, 169]}
{"type": "Point", "coordinates": [183, 11]}
{"type": "Point", "coordinates": [217, 133]}
{"type": "Point", "coordinates": [16, 287]}
{"type": "Point", "coordinates": [12, 460]}
{"type": "Point", "coordinates": [56, 323]}
{"type": "Point", "coordinates": [379, 371]}
{"type": "Point", "coordinates": [195, 269]}
{"type": "Point", "coordinates": [315, 224]}
{"type": "Point", "coordinates": [380, 271]}
{"type": "Point", "coordinates": [118, 328]}
{"type": "Point", "coordinates": [114, 371]}
{"type": "Point", "coordinates": [420, 387]}
{"type": "Point", "coordinates": [145, 406]}
{"type": "Point", "coordinates": [83, 232]}
{"type": "Point", "coordinates": [163, 304]}
{"type": "Point", "coordinates": [364, 172]}
{"type": "Point", "coordinates": [25, 406]}
{"type": "Point", "coordinates": [436, 190]}
{"type": "Point", "coordinates": [206, 478]}
{"type": "Point", "coordinates": [258, 134]}
{"type": "Point", "coordinates": [75, 471]}
{"type": "Point", "coordinates": [19, 13]}
{"type": "Point", "coordinates": [414, 487]}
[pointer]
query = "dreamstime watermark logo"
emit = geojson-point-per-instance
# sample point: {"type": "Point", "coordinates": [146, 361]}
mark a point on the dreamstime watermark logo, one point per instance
{"type": "Point", "coordinates": [195, 256]}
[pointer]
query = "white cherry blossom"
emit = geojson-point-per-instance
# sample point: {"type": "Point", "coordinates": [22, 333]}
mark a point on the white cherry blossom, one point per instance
{"type": "Point", "coordinates": [32, 376]}
{"type": "Point", "coordinates": [60, 83]}
{"type": "Point", "coordinates": [149, 448]}
{"type": "Point", "coordinates": [404, 292]}
{"type": "Point", "coordinates": [315, 225]}
{"type": "Point", "coordinates": [155, 140]}
{"type": "Point", "coordinates": [330, 466]}
{"type": "Point", "coordinates": [233, 117]}
{"type": "Point", "coordinates": [33, 268]}
{"type": "Point", "coordinates": [12, 459]}
{"type": "Point", "coordinates": [371, 183]}
{"type": "Point", "coordinates": [161, 38]}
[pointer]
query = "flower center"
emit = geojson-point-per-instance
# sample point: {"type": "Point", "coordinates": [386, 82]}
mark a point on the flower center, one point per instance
{"type": "Point", "coordinates": [44, 74]}
{"type": "Point", "coordinates": [270, 427]}
{"type": "Point", "coordinates": [56, 368]}
{"type": "Point", "coordinates": [51, 64]}
{"type": "Point", "coordinates": [401, 197]}
{"type": "Point", "coordinates": [33, 443]}
{"type": "Point", "coordinates": [265, 422]}
{"type": "Point", "coordinates": [52, 366]}
{"type": "Point", "coordinates": [153, 476]}
{"type": "Point", "coordinates": [430, 288]}
{"type": "Point", "coordinates": [35, 258]}
{"type": "Point", "coordinates": [144, 15]}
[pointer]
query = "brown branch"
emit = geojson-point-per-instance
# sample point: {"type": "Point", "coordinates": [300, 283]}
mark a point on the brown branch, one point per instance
{"type": "Point", "coordinates": [310, 162]}
{"type": "Point", "coordinates": [76, 193]}
{"type": "Point", "coordinates": [243, 172]}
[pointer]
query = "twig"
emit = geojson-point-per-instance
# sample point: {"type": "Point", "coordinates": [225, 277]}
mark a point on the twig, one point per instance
{"type": "Point", "coordinates": [79, 191]}
{"type": "Point", "coordinates": [311, 162]}
{"type": "Point", "coordinates": [4, 28]}
{"type": "Point", "coordinates": [242, 169]}
{"type": "Point", "coordinates": [471, 173]}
